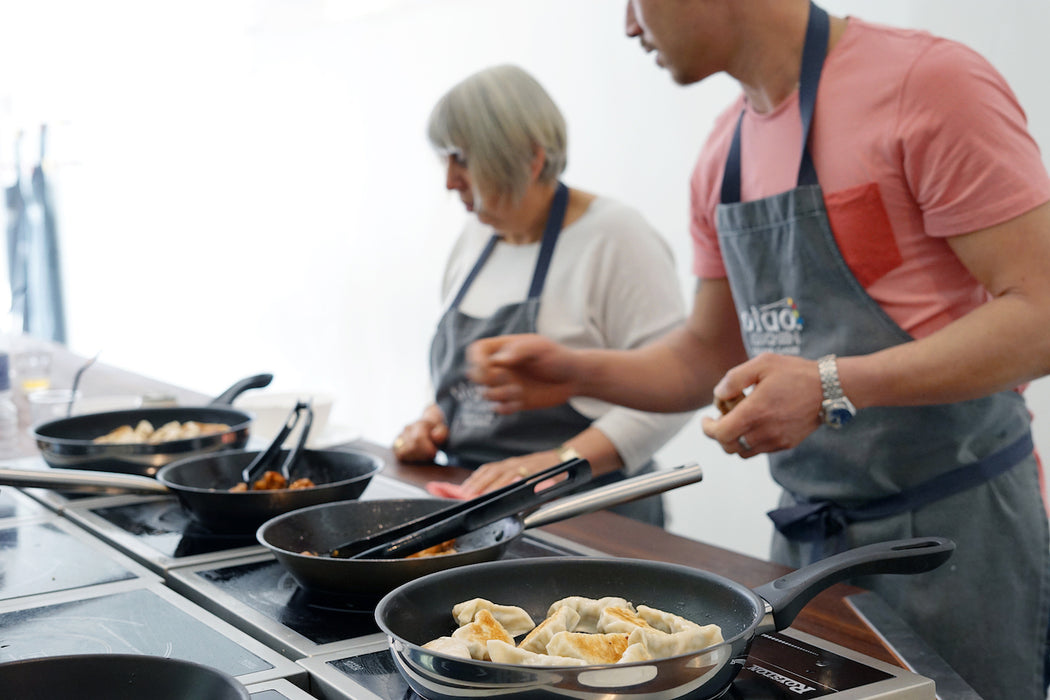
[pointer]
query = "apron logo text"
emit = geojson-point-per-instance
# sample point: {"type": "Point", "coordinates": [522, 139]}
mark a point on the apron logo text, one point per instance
{"type": "Point", "coordinates": [774, 327]}
{"type": "Point", "coordinates": [474, 411]}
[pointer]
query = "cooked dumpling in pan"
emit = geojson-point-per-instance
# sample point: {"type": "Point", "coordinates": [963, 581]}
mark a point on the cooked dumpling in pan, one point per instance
{"type": "Point", "coordinates": [623, 620]}
{"type": "Point", "coordinates": [479, 632]}
{"type": "Point", "coordinates": [664, 644]}
{"type": "Point", "coordinates": [589, 609]}
{"type": "Point", "coordinates": [592, 648]}
{"type": "Point", "coordinates": [564, 620]}
{"type": "Point", "coordinates": [450, 646]}
{"type": "Point", "coordinates": [635, 652]}
{"type": "Point", "coordinates": [514, 619]}
{"type": "Point", "coordinates": [665, 621]}
{"type": "Point", "coordinates": [504, 653]}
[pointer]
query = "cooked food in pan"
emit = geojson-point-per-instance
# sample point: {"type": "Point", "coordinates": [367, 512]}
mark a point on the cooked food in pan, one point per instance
{"type": "Point", "coordinates": [576, 632]}
{"type": "Point", "coordinates": [274, 481]}
{"type": "Point", "coordinates": [446, 547]}
{"type": "Point", "coordinates": [144, 432]}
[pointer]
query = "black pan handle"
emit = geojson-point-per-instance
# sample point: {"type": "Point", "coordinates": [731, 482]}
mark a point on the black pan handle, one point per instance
{"type": "Point", "coordinates": [791, 592]}
{"type": "Point", "coordinates": [461, 518]}
{"type": "Point", "coordinates": [257, 381]}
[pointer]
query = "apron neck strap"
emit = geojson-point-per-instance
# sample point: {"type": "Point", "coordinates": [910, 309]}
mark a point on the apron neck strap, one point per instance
{"type": "Point", "coordinates": [555, 219]}
{"type": "Point", "coordinates": [818, 29]}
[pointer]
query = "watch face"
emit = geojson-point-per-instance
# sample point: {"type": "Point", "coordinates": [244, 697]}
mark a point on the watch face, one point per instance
{"type": "Point", "coordinates": [838, 412]}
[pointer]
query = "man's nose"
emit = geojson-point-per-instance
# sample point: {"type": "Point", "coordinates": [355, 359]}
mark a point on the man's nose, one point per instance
{"type": "Point", "coordinates": [631, 24]}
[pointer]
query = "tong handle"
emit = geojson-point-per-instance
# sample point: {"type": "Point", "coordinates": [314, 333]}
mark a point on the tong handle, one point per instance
{"type": "Point", "coordinates": [263, 459]}
{"type": "Point", "coordinates": [459, 518]}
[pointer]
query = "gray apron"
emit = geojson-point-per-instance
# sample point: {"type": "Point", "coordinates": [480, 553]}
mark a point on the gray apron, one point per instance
{"type": "Point", "coordinates": [477, 434]}
{"type": "Point", "coordinates": [964, 470]}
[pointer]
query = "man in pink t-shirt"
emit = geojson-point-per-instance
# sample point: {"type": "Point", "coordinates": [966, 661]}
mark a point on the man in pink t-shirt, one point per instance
{"type": "Point", "coordinates": [871, 223]}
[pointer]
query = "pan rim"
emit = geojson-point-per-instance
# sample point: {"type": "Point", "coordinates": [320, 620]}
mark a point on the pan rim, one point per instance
{"type": "Point", "coordinates": [161, 476]}
{"type": "Point", "coordinates": [40, 433]}
{"type": "Point", "coordinates": [745, 636]}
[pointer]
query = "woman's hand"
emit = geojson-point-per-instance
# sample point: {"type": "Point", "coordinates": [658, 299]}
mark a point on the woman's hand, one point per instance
{"type": "Point", "coordinates": [493, 475]}
{"type": "Point", "coordinates": [420, 441]}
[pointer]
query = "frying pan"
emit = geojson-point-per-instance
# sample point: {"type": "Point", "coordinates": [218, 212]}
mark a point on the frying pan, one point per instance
{"type": "Point", "coordinates": [125, 676]}
{"type": "Point", "coordinates": [421, 610]}
{"type": "Point", "coordinates": [201, 484]}
{"type": "Point", "coordinates": [362, 582]}
{"type": "Point", "coordinates": [68, 443]}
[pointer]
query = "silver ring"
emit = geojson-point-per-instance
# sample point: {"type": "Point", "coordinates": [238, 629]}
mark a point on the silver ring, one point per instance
{"type": "Point", "coordinates": [744, 444]}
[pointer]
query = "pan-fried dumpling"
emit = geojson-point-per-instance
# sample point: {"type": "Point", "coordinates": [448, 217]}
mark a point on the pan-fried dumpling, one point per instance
{"type": "Point", "coordinates": [514, 619]}
{"type": "Point", "coordinates": [591, 647]}
{"type": "Point", "coordinates": [665, 644]}
{"type": "Point", "coordinates": [504, 653]}
{"type": "Point", "coordinates": [563, 620]}
{"type": "Point", "coordinates": [479, 632]}
{"type": "Point", "coordinates": [635, 652]}
{"type": "Point", "coordinates": [623, 620]}
{"type": "Point", "coordinates": [665, 621]}
{"type": "Point", "coordinates": [450, 646]}
{"type": "Point", "coordinates": [589, 609]}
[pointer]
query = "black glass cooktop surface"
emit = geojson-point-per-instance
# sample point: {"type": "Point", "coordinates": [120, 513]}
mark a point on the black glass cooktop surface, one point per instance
{"type": "Point", "coordinates": [165, 527]}
{"type": "Point", "coordinates": [42, 557]}
{"type": "Point", "coordinates": [137, 621]}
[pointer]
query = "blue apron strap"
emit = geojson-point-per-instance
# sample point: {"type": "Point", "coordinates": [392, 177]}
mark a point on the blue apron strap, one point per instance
{"type": "Point", "coordinates": [818, 29]}
{"type": "Point", "coordinates": [555, 219]}
{"type": "Point", "coordinates": [819, 520]}
{"type": "Point", "coordinates": [485, 253]}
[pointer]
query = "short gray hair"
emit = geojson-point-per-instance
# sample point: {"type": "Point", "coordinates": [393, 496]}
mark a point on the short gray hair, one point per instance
{"type": "Point", "coordinates": [496, 118]}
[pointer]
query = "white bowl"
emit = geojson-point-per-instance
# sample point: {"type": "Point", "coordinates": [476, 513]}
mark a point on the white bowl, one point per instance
{"type": "Point", "coordinates": [270, 411]}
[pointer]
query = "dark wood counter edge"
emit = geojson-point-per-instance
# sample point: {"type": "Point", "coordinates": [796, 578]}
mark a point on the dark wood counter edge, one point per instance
{"type": "Point", "coordinates": [828, 616]}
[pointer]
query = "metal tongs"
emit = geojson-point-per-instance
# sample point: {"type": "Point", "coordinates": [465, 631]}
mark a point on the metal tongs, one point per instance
{"type": "Point", "coordinates": [461, 518]}
{"type": "Point", "coordinates": [258, 466]}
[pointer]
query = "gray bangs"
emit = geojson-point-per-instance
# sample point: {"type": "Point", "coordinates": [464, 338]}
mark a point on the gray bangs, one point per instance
{"type": "Point", "coordinates": [496, 119]}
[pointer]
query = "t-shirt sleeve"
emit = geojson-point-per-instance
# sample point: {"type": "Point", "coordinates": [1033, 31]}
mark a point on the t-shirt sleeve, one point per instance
{"type": "Point", "coordinates": [968, 156]}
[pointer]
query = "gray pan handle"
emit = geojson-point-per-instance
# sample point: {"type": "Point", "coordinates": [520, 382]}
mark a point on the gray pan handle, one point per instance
{"type": "Point", "coordinates": [81, 481]}
{"type": "Point", "coordinates": [614, 494]}
{"type": "Point", "coordinates": [790, 593]}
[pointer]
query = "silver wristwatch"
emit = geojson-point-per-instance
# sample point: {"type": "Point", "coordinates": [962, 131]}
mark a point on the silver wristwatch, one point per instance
{"type": "Point", "coordinates": [836, 410]}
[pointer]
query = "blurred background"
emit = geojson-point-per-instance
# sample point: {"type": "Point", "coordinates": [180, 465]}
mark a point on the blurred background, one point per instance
{"type": "Point", "coordinates": [245, 186]}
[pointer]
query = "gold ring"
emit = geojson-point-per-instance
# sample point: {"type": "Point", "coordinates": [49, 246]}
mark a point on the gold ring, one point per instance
{"type": "Point", "coordinates": [522, 471]}
{"type": "Point", "coordinates": [399, 443]}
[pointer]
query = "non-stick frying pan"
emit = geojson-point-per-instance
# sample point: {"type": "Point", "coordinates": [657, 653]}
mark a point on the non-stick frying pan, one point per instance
{"type": "Point", "coordinates": [107, 676]}
{"type": "Point", "coordinates": [421, 610]}
{"type": "Point", "coordinates": [362, 582]}
{"type": "Point", "coordinates": [201, 484]}
{"type": "Point", "coordinates": [68, 443]}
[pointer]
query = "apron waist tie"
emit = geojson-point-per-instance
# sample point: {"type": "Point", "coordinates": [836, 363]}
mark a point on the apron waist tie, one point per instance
{"type": "Point", "coordinates": [818, 520]}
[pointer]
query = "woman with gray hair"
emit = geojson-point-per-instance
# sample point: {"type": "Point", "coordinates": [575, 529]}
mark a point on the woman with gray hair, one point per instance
{"type": "Point", "coordinates": [537, 256]}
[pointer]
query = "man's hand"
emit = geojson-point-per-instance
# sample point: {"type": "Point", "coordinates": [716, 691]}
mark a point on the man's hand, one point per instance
{"type": "Point", "coordinates": [781, 409]}
{"type": "Point", "coordinates": [523, 371]}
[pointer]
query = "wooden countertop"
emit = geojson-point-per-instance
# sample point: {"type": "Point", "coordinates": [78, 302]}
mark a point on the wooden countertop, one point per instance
{"type": "Point", "coordinates": [827, 616]}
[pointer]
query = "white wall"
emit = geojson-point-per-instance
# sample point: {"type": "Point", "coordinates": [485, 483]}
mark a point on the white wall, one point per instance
{"type": "Point", "coordinates": [245, 185]}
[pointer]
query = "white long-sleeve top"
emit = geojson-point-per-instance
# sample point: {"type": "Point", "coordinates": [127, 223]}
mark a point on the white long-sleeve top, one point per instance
{"type": "Point", "coordinates": [611, 284]}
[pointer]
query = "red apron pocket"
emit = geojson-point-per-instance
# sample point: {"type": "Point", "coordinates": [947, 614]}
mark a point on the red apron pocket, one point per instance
{"type": "Point", "coordinates": [863, 232]}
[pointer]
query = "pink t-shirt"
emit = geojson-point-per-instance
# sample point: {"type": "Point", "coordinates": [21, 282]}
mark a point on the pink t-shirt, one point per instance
{"type": "Point", "coordinates": [914, 139]}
